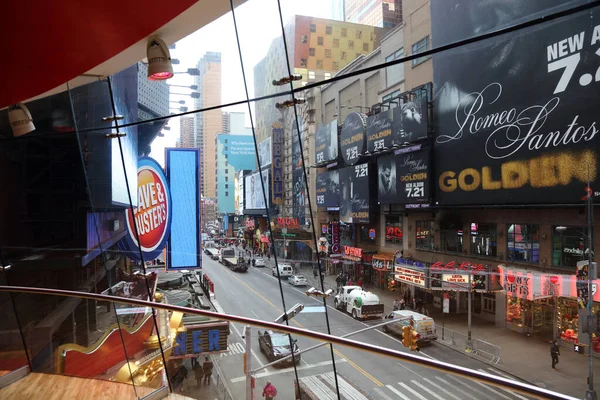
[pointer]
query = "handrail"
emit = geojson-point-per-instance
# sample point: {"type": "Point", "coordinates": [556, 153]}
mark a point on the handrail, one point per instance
{"type": "Point", "coordinates": [523, 388]}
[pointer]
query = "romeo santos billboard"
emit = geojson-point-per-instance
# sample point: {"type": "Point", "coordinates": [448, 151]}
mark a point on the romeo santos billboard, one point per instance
{"type": "Point", "coordinates": [516, 115]}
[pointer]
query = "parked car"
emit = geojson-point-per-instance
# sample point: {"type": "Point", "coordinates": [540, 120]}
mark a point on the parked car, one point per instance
{"type": "Point", "coordinates": [298, 280]}
{"type": "Point", "coordinates": [424, 325]}
{"type": "Point", "coordinates": [259, 262]}
{"type": "Point", "coordinates": [276, 345]}
{"type": "Point", "coordinates": [285, 271]}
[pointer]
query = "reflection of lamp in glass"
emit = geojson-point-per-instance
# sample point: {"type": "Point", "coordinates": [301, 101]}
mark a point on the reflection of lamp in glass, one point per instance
{"type": "Point", "coordinates": [193, 87]}
{"type": "Point", "coordinates": [182, 109]}
{"type": "Point", "coordinates": [191, 71]}
{"type": "Point", "coordinates": [20, 119]}
{"type": "Point", "coordinates": [159, 60]}
{"type": "Point", "coordinates": [178, 102]}
{"type": "Point", "coordinates": [193, 95]}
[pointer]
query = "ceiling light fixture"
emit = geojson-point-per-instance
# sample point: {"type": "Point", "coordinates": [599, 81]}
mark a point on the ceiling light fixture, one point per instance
{"type": "Point", "coordinates": [159, 60]}
{"type": "Point", "coordinates": [20, 119]}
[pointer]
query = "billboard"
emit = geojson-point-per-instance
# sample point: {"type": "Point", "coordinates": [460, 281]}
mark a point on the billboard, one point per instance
{"type": "Point", "coordinates": [355, 194]}
{"type": "Point", "coordinates": [379, 131]}
{"type": "Point", "coordinates": [264, 153]}
{"type": "Point", "coordinates": [184, 249]}
{"type": "Point", "coordinates": [152, 216]}
{"type": "Point", "coordinates": [328, 189]}
{"type": "Point", "coordinates": [238, 150]}
{"type": "Point", "coordinates": [403, 178]}
{"type": "Point", "coordinates": [326, 143]}
{"type": "Point", "coordinates": [352, 138]}
{"type": "Point", "coordinates": [298, 181]}
{"type": "Point", "coordinates": [277, 165]}
{"type": "Point", "coordinates": [254, 199]}
{"type": "Point", "coordinates": [409, 122]}
{"type": "Point", "coordinates": [498, 145]}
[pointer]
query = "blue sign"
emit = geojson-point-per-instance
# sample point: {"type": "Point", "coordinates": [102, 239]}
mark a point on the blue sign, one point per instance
{"type": "Point", "coordinates": [225, 222]}
{"type": "Point", "coordinates": [191, 342]}
{"type": "Point", "coordinates": [239, 151]}
{"type": "Point", "coordinates": [277, 163]}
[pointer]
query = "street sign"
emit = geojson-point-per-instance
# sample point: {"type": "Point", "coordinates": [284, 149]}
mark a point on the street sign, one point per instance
{"type": "Point", "coordinates": [578, 348]}
{"type": "Point", "coordinates": [446, 305]}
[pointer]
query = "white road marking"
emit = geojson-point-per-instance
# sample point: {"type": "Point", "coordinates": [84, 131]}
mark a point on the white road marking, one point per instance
{"type": "Point", "coordinates": [408, 369]}
{"type": "Point", "coordinates": [497, 372]}
{"type": "Point", "coordinates": [382, 394]}
{"type": "Point", "coordinates": [257, 317]}
{"type": "Point", "coordinates": [449, 385]}
{"type": "Point", "coordinates": [505, 390]}
{"type": "Point", "coordinates": [428, 390]}
{"type": "Point", "coordinates": [286, 370]}
{"type": "Point", "coordinates": [396, 392]}
{"type": "Point", "coordinates": [251, 351]}
{"type": "Point", "coordinates": [483, 395]}
{"type": "Point", "coordinates": [441, 390]}
{"type": "Point", "coordinates": [405, 386]}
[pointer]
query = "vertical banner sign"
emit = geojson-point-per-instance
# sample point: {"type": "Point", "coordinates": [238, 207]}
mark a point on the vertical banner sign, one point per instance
{"type": "Point", "coordinates": [353, 138]}
{"type": "Point", "coordinates": [298, 182]}
{"type": "Point", "coordinates": [152, 216]}
{"type": "Point", "coordinates": [498, 145]}
{"type": "Point", "coordinates": [326, 143]}
{"type": "Point", "coordinates": [582, 284]}
{"type": "Point", "coordinates": [335, 238]}
{"type": "Point", "coordinates": [328, 189]}
{"type": "Point", "coordinates": [184, 250]}
{"type": "Point", "coordinates": [277, 164]}
{"type": "Point", "coordinates": [379, 131]}
{"type": "Point", "coordinates": [355, 194]}
{"type": "Point", "coordinates": [403, 178]}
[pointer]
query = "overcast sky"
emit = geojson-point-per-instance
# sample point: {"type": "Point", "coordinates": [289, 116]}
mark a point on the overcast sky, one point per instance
{"type": "Point", "coordinates": [258, 25]}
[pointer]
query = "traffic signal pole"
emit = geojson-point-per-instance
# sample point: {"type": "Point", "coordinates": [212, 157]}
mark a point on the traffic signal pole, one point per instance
{"type": "Point", "coordinates": [247, 362]}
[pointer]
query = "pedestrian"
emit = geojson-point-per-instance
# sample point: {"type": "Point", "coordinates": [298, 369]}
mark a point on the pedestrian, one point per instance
{"type": "Point", "coordinates": [198, 373]}
{"type": "Point", "coordinates": [315, 273]}
{"type": "Point", "coordinates": [338, 280]}
{"type": "Point", "coordinates": [554, 352]}
{"type": "Point", "coordinates": [414, 304]}
{"type": "Point", "coordinates": [269, 391]}
{"type": "Point", "coordinates": [402, 304]}
{"type": "Point", "coordinates": [207, 369]}
{"type": "Point", "coordinates": [396, 305]}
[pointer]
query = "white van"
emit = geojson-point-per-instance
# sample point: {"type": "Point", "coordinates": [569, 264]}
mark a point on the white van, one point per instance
{"type": "Point", "coordinates": [285, 270]}
{"type": "Point", "coordinates": [424, 325]}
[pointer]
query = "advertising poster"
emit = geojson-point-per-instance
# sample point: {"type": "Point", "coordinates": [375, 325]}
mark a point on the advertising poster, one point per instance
{"type": "Point", "coordinates": [264, 152]}
{"type": "Point", "coordinates": [516, 116]}
{"type": "Point", "coordinates": [403, 178]}
{"type": "Point", "coordinates": [379, 131]}
{"type": "Point", "coordinates": [328, 189]}
{"type": "Point", "coordinates": [355, 194]}
{"type": "Point", "coordinates": [409, 122]}
{"type": "Point", "coordinates": [298, 182]}
{"type": "Point", "coordinates": [277, 163]}
{"type": "Point", "coordinates": [254, 190]}
{"type": "Point", "coordinates": [353, 138]}
{"type": "Point", "coordinates": [239, 151]}
{"type": "Point", "coordinates": [326, 143]}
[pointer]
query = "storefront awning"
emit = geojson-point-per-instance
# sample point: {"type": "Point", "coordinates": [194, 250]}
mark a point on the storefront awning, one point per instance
{"type": "Point", "coordinates": [384, 256]}
{"type": "Point", "coordinates": [383, 261]}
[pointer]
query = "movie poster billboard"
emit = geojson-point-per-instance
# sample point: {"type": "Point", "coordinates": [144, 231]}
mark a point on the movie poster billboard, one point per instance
{"type": "Point", "coordinates": [328, 189]}
{"type": "Point", "coordinates": [264, 152]}
{"type": "Point", "coordinates": [298, 181]}
{"type": "Point", "coordinates": [355, 194]}
{"type": "Point", "coordinates": [516, 115]}
{"type": "Point", "coordinates": [326, 143]}
{"type": "Point", "coordinates": [352, 138]}
{"type": "Point", "coordinates": [403, 178]}
{"type": "Point", "coordinates": [254, 198]}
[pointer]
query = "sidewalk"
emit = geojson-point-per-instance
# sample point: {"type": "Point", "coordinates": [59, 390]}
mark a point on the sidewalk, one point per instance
{"type": "Point", "coordinates": [525, 357]}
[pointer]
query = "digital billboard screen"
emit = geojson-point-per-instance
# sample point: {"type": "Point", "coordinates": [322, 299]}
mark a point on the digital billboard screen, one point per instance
{"type": "Point", "coordinates": [239, 151]}
{"type": "Point", "coordinates": [328, 189]}
{"type": "Point", "coordinates": [253, 189]}
{"type": "Point", "coordinates": [184, 249]}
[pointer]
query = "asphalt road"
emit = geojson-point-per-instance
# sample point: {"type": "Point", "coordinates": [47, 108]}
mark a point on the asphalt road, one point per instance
{"type": "Point", "coordinates": [362, 375]}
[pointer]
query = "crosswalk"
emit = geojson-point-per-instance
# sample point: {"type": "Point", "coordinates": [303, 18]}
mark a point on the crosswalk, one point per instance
{"type": "Point", "coordinates": [434, 387]}
{"type": "Point", "coordinates": [448, 387]}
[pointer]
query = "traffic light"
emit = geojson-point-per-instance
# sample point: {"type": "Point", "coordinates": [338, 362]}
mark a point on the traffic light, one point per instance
{"type": "Point", "coordinates": [414, 337]}
{"type": "Point", "coordinates": [391, 285]}
{"type": "Point", "coordinates": [406, 336]}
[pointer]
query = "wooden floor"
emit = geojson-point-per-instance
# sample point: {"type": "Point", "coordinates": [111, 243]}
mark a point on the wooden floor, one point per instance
{"type": "Point", "coordinates": [60, 387]}
{"type": "Point", "coordinates": [3, 372]}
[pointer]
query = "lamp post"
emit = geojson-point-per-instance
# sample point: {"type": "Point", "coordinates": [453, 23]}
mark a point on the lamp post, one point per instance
{"type": "Point", "coordinates": [554, 282]}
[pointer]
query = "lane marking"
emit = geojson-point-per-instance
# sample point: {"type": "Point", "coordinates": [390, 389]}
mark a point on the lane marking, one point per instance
{"type": "Point", "coordinates": [479, 392]}
{"type": "Point", "coordinates": [441, 390]}
{"type": "Point", "coordinates": [454, 386]}
{"type": "Point", "coordinates": [504, 390]}
{"type": "Point", "coordinates": [428, 390]}
{"type": "Point", "coordinates": [286, 370]}
{"type": "Point", "coordinates": [405, 386]}
{"type": "Point", "coordinates": [382, 394]}
{"type": "Point", "coordinates": [252, 311]}
{"type": "Point", "coordinates": [408, 369]}
{"type": "Point", "coordinates": [359, 369]}
{"type": "Point", "coordinates": [397, 392]}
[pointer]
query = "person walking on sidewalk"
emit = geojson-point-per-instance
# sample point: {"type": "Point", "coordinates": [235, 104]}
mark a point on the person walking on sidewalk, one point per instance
{"type": "Point", "coordinates": [207, 368]}
{"type": "Point", "coordinates": [396, 305]}
{"type": "Point", "coordinates": [269, 391]}
{"type": "Point", "coordinates": [554, 352]}
{"type": "Point", "coordinates": [198, 373]}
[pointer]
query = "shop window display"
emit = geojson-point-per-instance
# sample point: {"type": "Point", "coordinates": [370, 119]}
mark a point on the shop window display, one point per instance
{"type": "Point", "coordinates": [568, 321]}
{"type": "Point", "coordinates": [523, 243]}
{"type": "Point", "coordinates": [568, 247]}
{"type": "Point", "coordinates": [424, 235]}
{"type": "Point", "coordinates": [483, 239]}
{"type": "Point", "coordinates": [393, 229]}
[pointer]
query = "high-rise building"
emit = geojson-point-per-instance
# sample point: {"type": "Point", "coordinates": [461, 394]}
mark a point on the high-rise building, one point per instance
{"type": "Point", "coordinates": [186, 132]}
{"type": "Point", "coordinates": [235, 122]}
{"type": "Point", "coordinates": [225, 123]}
{"type": "Point", "coordinates": [381, 13]}
{"type": "Point", "coordinates": [208, 123]}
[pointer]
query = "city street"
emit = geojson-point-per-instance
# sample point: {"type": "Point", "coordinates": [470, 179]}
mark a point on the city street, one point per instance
{"type": "Point", "coordinates": [361, 375]}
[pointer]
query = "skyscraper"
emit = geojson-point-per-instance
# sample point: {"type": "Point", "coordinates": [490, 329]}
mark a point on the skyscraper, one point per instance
{"type": "Point", "coordinates": [208, 123]}
{"type": "Point", "coordinates": [186, 132]}
{"type": "Point", "coordinates": [381, 13]}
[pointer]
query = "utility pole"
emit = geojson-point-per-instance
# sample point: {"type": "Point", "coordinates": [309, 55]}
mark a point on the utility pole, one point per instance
{"type": "Point", "coordinates": [470, 295]}
{"type": "Point", "coordinates": [590, 393]}
{"type": "Point", "coordinates": [247, 362]}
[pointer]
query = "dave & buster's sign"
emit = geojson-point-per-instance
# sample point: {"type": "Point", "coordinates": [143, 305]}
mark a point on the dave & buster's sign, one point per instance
{"type": "Point", "coordinates": [403, 178]}
{"type": "Point", "coordinates": [152, 216]}
{"type": "Point", "coordinates": [497, 145]}
{"type": "Point", "coordinates": [352, 138]}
